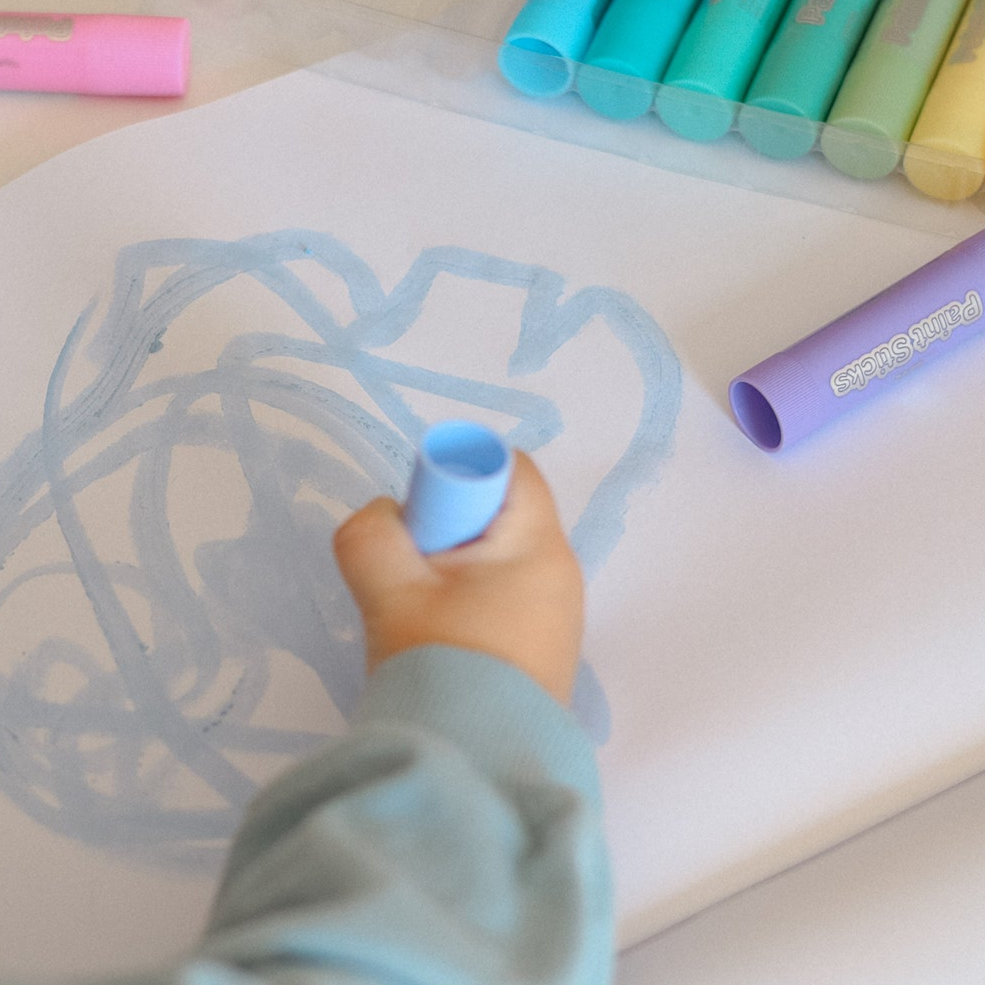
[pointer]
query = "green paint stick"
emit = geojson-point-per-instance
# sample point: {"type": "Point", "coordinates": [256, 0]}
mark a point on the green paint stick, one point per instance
{"type": "Point", "coordinates": [884, 89]}
{"type": "Point", "coordinates": [800, 74]}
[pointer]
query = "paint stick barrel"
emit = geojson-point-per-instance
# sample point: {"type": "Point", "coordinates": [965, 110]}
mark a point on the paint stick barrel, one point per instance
{"type": "Point", "coordinates": [94, 54]}
{"type": "Point", "coordinates": [799, 76]}
{"type": "Point", "coordinates": [458, 485]}
{"type": "Point", "coordinates": [856, 357]}
{"type": "Point", "coordinates": [946, 156]}
{"type": "Point", "coordinates": [542, 48]}
{"type": "Point", "coordinates": [714, 64]}
{"type": "Point", "coordinates": [629, 54]}
{"type": "Point", "coordinates": [880, 98]}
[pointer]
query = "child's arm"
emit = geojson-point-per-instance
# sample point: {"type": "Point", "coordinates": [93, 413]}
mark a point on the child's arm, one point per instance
{"type": "Point", "coordinates": [454, 836]}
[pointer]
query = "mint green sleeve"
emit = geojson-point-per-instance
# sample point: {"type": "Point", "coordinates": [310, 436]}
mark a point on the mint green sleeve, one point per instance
{"type": "Point", "coordinates": [453, 836]}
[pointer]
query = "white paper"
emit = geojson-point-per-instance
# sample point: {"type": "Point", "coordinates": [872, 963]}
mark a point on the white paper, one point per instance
{"type": "Point", "coordinates": [224, 329]}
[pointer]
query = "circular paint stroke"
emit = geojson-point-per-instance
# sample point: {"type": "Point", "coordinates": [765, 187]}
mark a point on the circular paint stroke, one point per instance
{"type": "Point", "coordinates": [191, 688]}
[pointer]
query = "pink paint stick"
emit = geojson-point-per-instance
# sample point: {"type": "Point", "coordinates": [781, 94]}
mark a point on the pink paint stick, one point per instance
{"type": "Point", "coordinates": [94, 54]}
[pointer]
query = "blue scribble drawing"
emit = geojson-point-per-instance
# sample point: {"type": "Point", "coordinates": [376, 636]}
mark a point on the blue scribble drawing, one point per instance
{"type": "Point", "coordinates": [177, 690]}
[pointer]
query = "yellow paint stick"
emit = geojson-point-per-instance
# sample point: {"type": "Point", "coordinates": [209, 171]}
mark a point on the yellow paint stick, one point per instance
{"type": "Point", "coordinates": [946, 156]}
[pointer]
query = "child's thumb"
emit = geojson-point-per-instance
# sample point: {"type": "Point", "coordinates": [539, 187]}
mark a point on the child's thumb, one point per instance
{"type": "Point", "coordinates": [375, 551]}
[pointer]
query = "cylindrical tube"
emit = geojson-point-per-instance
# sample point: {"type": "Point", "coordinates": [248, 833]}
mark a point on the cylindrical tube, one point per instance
{"type": "Point", "coordinates": [634, 43]}
{"type": "Point", "coordinates": [94, 54]}
{"type": "Point", "coordinates": [878, 103]}
{"type": "Point", "coordinates": [542, 49]}
{"type": "Point", "coordinates": [800, 74]}
{"type": "Point", "coordinates": [856, 357]}
{"type": "Point", "coordinates": [947, 146]}
{"type": "Point", "coordinates": [714, 64]}
{"type": "Point", "coordinates": [458, 485]}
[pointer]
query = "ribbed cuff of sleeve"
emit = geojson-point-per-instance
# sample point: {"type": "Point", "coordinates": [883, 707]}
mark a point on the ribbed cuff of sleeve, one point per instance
{"type": "Point", "coordinates": [504, 721]}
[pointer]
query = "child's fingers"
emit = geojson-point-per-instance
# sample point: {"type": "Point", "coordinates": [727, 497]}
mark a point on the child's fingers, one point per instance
{"type": "Point", "coordinates": [375, 552]}
{"type": "Point", "coordinates": [528, 514]}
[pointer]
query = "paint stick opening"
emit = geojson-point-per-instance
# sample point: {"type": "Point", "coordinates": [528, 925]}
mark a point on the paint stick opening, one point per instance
{"type": "Point", "coordinates": [755, 415]}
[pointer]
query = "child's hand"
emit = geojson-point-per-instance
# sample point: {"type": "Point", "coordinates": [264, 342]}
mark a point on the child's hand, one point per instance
{"type": "Point", "coordinates": [515, 593]}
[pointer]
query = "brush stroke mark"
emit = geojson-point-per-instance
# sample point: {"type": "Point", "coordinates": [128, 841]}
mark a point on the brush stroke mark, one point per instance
{"type": "Point", "coordinates": [150, 707]}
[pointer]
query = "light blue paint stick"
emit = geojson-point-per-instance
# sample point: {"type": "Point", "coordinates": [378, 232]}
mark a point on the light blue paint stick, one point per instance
{"type": "Point", "coordinates": [458, 485]}
{"type": "Point", "coordinates": [799, 76]}
{"type": "Point", "coordinates": [714, 64]}
{"type": "Point", "coordinates": [635, 40]}
{"type": "Point", "coordinates": [542, 49]}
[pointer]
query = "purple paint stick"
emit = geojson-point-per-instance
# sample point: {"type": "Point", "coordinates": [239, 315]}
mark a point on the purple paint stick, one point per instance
{"type": "Point", "coordinates": [857, 356]}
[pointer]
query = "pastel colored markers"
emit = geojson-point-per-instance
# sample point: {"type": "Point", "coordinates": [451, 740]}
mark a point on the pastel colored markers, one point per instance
{"type": "Point", "coordinates": [94, 54]}
{"type": "Point", "coordinates": [879, 101]}
{"type": "Point", "coordinates": [714, 64]}
{"type": "Point", "coordinates": [629, 53]}
{"type": "Point", "coordinates": [542, 49]}
{"type": "Point", "coordinates": [799, 76]}
{"type": "Point", "coordinates": [858, 356]}
{"type": "Point", "coordinates": [947, 145]}
{"type": "Point", "coordinates": [458, 485]}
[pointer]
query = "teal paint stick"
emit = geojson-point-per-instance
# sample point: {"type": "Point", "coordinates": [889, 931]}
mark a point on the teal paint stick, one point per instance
{"type": "Point", "coordinates": [885, 87]}
{"type": "Point", "coordinates": [542, 49]}
{"type": "Point", "coordinates": [714, 64]}
{"type": "Point", "coordinates": [635, 40]}
{"type": "Point", "coordinates": [800, 74]}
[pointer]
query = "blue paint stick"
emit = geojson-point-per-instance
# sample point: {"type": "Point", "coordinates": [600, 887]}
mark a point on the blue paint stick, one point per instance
{"type": "Point", "coordinates": [799, 76]}
{"type": "Point", "coordinates": [714, 64]}
{"type": "Point", "coordinates": [629, 54]}
{"type": "Point", "coordinates": [458, 485]}
{"type": "Point", "coordinates": [548, 39]}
